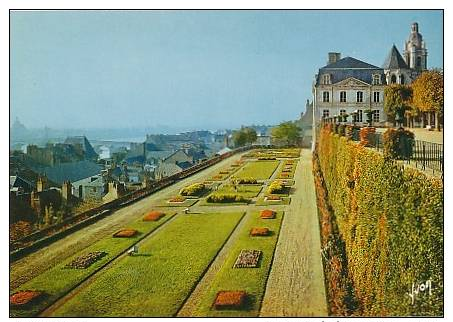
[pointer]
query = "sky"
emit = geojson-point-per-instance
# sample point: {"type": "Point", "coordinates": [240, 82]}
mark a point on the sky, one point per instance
{"type": "Point", "coordinates": [193, 69]}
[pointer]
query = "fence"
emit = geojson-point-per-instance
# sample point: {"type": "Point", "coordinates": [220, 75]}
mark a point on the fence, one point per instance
{"type": "Point", "coordinates": [425, 155]}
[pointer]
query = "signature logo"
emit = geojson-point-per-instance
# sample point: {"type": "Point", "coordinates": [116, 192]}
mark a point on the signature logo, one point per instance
{"type": "Point", "coordinates": [424, 287]}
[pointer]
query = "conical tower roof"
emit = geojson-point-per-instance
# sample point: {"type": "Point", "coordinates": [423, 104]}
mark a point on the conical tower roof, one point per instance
{"type": "Point", "coordinates": [394, 60]}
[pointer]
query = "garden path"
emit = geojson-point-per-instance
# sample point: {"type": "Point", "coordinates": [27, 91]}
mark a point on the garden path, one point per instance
{"type": "Point", "coordinates": [296, 282]}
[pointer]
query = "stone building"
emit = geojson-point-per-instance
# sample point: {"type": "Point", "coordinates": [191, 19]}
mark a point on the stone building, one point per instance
{"type": "Point", "coordinates": [349, 85]}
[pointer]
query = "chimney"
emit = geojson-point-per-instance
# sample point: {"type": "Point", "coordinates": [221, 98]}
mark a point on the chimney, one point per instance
{"type": "Point", "coordinates": [66, 190]}
{"type": "Point", "coordinates": [41, 184]}
{"type": "Point", "coordinates": [333, 58]}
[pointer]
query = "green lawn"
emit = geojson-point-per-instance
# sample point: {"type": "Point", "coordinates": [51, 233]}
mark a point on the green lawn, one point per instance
{"type": "Point", "coordinates": [59, 280]}
{"type": "Point", "coordinates": [157, 282]}
{"type": "Point", "coordinates": [245, 190]}
{"type": "Point", "coordinates": [251, 280]}
{"type": "Point", "coordinates": [260, 170]}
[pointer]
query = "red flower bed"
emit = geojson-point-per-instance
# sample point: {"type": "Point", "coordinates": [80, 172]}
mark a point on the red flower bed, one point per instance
{"type": "Point", "coordinates": [230, 300]}
{"type": "Point", "coordinates": [259, 231]}
{"type": "Point", "coordinates": [124, 233]}
{"type": "Point", "coordinates": [284, 175]}
{"type": "Point", "coordinates": [24, 298]}
{"type": "Point", "coordinates": [86, 260]}
{"type": "Point", "coordinates": [267, 214]}
{"type": "Point", "coordinates": [153, 216]}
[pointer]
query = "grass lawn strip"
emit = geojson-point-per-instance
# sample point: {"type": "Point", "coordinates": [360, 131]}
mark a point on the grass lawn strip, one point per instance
{"type": "Point", "coordinates": [245, 190]}
{"type": "Point", "coordinates": [250, 280]}
{"type": "Point", "coordinates": [59, 280]}
{"type": "Point", "coordinates": [283, 201]}
{"type": "Point", "coordinates": [260, 170]}
{"type": "Point", "coordinates": [158, 282]}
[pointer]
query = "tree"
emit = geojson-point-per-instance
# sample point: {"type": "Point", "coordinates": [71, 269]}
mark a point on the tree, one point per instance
{"type": "Point", "coordinates": [287, 131]}
{"type": "Point", "coordinates": [428, 94]}
{"type": "Point", "coordinates": [245, 135]}
{"type": "Point", "coordinates": [397, 99]}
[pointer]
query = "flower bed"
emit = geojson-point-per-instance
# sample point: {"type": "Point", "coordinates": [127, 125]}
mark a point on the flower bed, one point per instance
{"type": "Point", "coordinates": [86, 260]}
{"type": "Point", "coordinates": [248, 258]}
{"type": "Point", "coordinates": [125, 233]}
{"type": "Point", "coordinates": [217, 177]}
{"type": "Point", "coordinates": [259, 231]}
{"type": "Point", "coordinates": [225, 198]}
{"type": "Point", "coordinates": [230, 300]}
{"type": "Point", "coordinates": [177, 199]}
{"type": "Point", "coordinates": [224, 172]}
{"type": "Point", "coordinates": [267, 214]}
{"type": "Point", "coordinates": [25, 298]}
{"type": "Point", "coordinates": [153, 216]}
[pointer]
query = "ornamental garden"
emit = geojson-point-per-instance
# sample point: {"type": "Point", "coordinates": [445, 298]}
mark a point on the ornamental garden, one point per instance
{"type": "Point", "coordinates": [237, 210]}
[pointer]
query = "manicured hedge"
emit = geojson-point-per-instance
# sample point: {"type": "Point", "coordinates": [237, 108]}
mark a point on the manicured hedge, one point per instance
{"type": "Point", "coordinates": [391, 220]}
{"type": "Point", "coordinates": [195, 189]}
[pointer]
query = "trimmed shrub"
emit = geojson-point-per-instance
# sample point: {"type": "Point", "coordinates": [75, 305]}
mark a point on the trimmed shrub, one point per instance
{"type": "Point", "coordinates": [244, 180]}
{"type": "Point", "coordinates": [225, 198]}
{"type": "Point", "coordinates": [230, 300]}
{"type": "Point", "coordinates": [367, 136]}
{"type": "Point", "coordinates": [153, 216]}
{"type": "Point", "coordinates": [276, 187]}
{"type": "Point", "coordinates": [398, 144]}
{"type": "Point", "coordinates": [391, 221]}
{"type": "Point", "coordinates": [195, 189]}
{"type": "Point", "coordinates": [342, 129]}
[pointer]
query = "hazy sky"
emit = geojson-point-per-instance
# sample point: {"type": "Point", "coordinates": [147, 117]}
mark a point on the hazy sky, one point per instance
{"type": "Point", "coordinates": [205, 69]}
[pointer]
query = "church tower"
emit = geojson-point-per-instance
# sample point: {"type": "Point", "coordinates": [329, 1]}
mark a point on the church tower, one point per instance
{"type": "Point", "coordinates": [415, 52]}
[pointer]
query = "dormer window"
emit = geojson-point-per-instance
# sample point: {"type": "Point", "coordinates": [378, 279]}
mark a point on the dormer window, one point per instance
{"type": "Point", "coordinates": [326, 79]}
{"type": "Point", "coordinates": [376, 79]}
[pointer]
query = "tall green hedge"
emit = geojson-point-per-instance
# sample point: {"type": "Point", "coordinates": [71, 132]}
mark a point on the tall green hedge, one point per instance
{"type": "Point", "coordinates": [391, 220]}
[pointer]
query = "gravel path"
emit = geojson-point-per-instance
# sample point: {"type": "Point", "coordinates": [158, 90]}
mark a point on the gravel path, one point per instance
{"type": "Point", "coordinates": [296, 282]}
{"type": "Point", "coordinates": [34, 264]}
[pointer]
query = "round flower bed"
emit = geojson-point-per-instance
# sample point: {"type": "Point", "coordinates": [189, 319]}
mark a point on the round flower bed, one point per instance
{"type": "Point", "coordinates": [125, 233]}
{"type": "Point", "coordinates": [153, 216]}
{"type": "Point", "coordinates": [267, 214]}
{"type": "Point", "coordinates": [25, 298]}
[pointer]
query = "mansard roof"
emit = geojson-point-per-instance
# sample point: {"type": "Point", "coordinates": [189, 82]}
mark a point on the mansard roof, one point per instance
{"type": "Point", "coordinates": [394, 60]}
{"type": "Point", "coordinates": [350, 67]}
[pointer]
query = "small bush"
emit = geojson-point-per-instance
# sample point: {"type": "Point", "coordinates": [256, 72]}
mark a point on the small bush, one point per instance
{"type": "Point", "coordinates": [367, 136]}
{"type": "Point", "coordinates": [342, 129]}
{"type": "Point", "coordinates": [125, 233]}
{"type": "Point", "coordinates": [225, 198]}
{"type": "Point", "coordinates": [153, 216]}
{"type": "Point", "coordinates": [398, 144]}
{"type": "Point", "coordinates": [230, 300]}
{"type": "Point", "coordinates": [267, 214]}
{"type": "Point", "coordinates": [276, 187]}
{"type": "Point", "coordinates": [193, 190]}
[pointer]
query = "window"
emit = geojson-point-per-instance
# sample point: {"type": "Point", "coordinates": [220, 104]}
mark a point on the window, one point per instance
{"type": "Point", "coordinates": [376, 97]}
{"type": "Point", "coordinates": [359, 97]}
{"type": "Point", "coordinates": [376, 79]}
{"type": "Point", "coordinates": [393, 79]}
{"type": "Point", "coordinates": [359, 116]}
{"type": "Point", "coordinates": [343, 96]}
{"type": "Point", "coordinates": [342, 112]}
{"type": "Point", "coordinates": [419, 61]}
{"type": "Point", "coordinates": [402, 79]}
{"type": "Point", "coordinates": [325, 96]}
{"type": "Point", "coordinates": [376, 116]}
{"type": "Point", "coordinates": [326, 79]}
{"type": "Point", "coordinates": [325, 113]}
